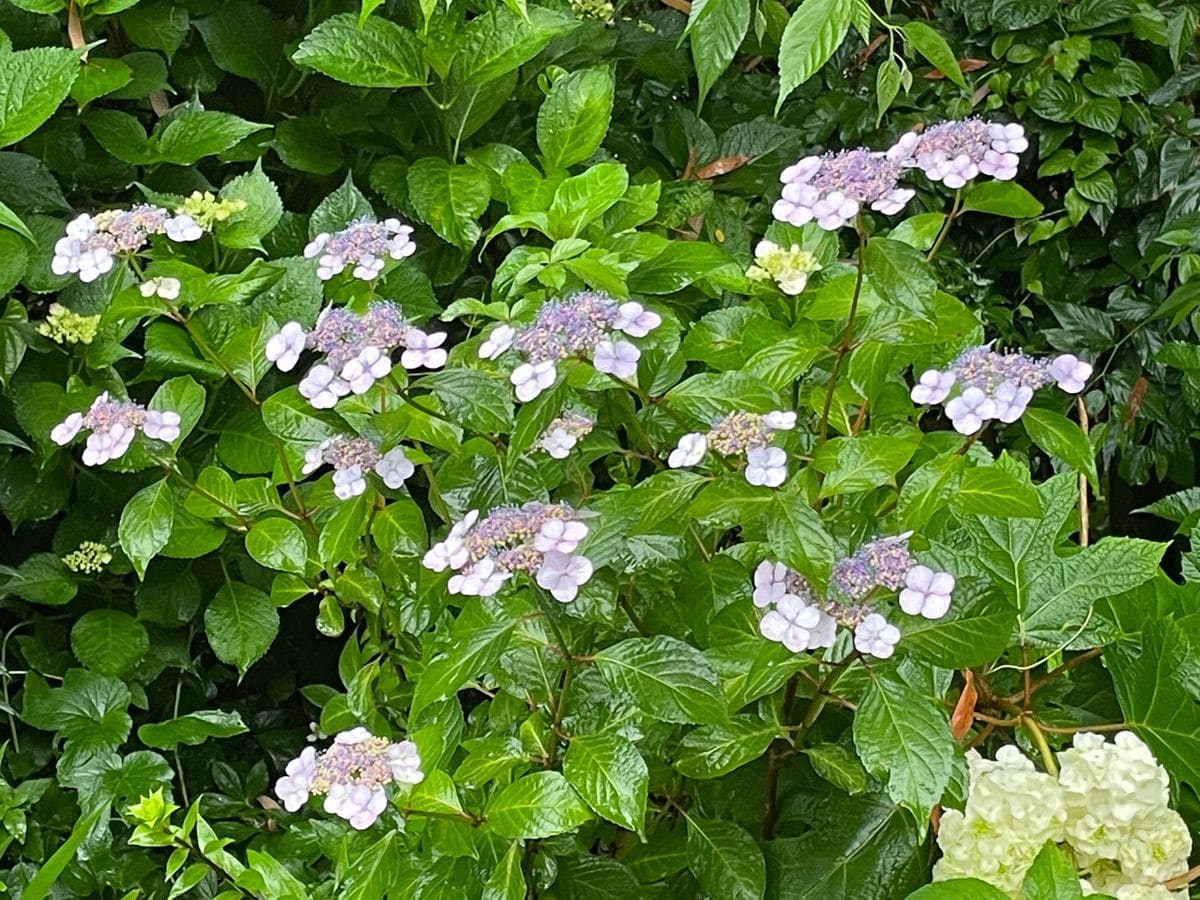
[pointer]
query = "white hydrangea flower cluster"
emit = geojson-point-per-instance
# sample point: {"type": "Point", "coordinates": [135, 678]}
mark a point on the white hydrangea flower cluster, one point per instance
{"type": "Point", "coordinates": [352, 458]}
{"type": "Point", "coordinates": [538, 539]}
{"type": "Point", "coordinates": [563, 433]}
{"type": "Point", "coordinates": [741, 434]}
{"type": "Point", "coordinates": [584, 324]}
{"type": "Point", "coordinates": [1110, 805]}
{"type": "Point", "coordinates": [113, 425]}
{"type": "Point", "coordinates": [801, 620]}
{"type": "Point", "coordinates": [356, 349]}
{"type": "Point", "coordinates": [787, 267]}
{"type": "Point", "coordinates": [163, 288]}
{"type": "Point", "coordinates": [957, 152]}
{"type": "Point", "coordinates": [93, 243]}
{"type": "Point", "coordinates": [834, 188]}
{"type": "Point", "coordinates": [995, 385]}
{"type": "Point", "coordinates": [364, 244]}
{"type": "Point", "coordinates": [352, 774]}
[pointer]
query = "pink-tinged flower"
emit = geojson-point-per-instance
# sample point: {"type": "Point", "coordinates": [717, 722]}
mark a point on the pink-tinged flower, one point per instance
{"type": "Point", "coordinates": [970, 409]}
{"type": "Point", "coordinates": [563, 433]}
{"type": "Point", "coordinates": [954, 153]}
{"type": "Point", "coordinates": [498, 342]}
{"type": "Point", "coordinates": [689, 451]}
{"type": "Point", "coordinates": [780, 420]}
{"type": "Point", "coordinates": [635, 320]}
{"type": "Point", "coordinates": [363, 244]}
{"type": "Point", "coordinates": [562, 575]}
{"type": "Point", "coordinates": [562, 535]}
{"type": "Point", "coordinates": [792, 623]}
{"type": "Point", "coordinates": [619, 358]}
{"type": "Point", "coordinates": [933, 386]}
{"type": "Point", "coordinates": [766, 466]}
{"type": "Point", "coordinates": [874, 636]}
{"type": "Point", "coordinates": [1070, 372]}
{"type": "Point", "coordinates": [483, 579]}
{"type": "Point", "coordinates": [394, 468]}
{"type": "Point", "coordinates": [293, 788]}
{"type": "Point", "coordinates": [284, 348]}
{"type": "Point", "coordinates": [1011, 401]}
{"type": "Point", "coordinates": [770, 583]}
{"type": "Point", "coordinates": [113, 425]}
{"type": "Point", "coordinates": [322, 388]}
{"type": "Point", "coordinates": [361, 373]}
{"type": "Point", "coordinates": [424, 350]}
{"type": "Point", "coordinates": [833, 189]}
{"type": "Point", "coordinates": [927, 593]}
{"type": "Point", "coordinates": [530, 379]}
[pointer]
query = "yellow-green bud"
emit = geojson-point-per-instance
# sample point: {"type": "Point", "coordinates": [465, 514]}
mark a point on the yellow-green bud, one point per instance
{"type": "Point", "coordinates": [207, 210]}
{"type": "Point", "coordinates": [89, 559]}
{"type": "Point", "coordinates": [65, 327]}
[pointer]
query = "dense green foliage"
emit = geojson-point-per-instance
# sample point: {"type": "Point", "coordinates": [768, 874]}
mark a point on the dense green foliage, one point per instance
{"type": "Point", "coordinates": [643, 740]}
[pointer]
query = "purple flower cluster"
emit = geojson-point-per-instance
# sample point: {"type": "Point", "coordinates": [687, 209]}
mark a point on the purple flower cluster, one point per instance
{"type": "Point", "coordinates": [113, 425]}
{"type": "Point", "coordinates": [834, 188]}
{"type": "Point", "coordinates": [352, 774]}
{"type": "Point", "coordinates": [364, 244]}
{"type": "Point", "coordinates": [741, 434]}
{"type": "Point", "coordinates": [356, 349]}
{"type": "Point", "coordinates": [801, 620]}
{"type": "Point", "coordinates": [563, 433]}
{"type": "Point", "coordinates": [995, 385]}
{"type": "Point", "coordinates": [538, 539]}
{"type": "Point", "coordinates": [352, 458]}
{"type": "Point", "coordinates": [92, 243]}
{"type": "Point", "coordinates": [585, 323]}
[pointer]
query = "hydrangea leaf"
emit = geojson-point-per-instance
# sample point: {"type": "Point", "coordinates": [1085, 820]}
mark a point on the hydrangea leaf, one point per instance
{"type": "Point", "coordinates": [191, 729]}
{"type": "Point", "coordinates": [89, 710]}
{"type": "Point", "coordinates": [109, 641]}
{"type": "Point", "coordinates": [574, 117]}
{"type": "Point", "coordinates": [33, 83]}
{"type": "Point", "coordinates": [726, 860]}
{"type": "Point", "coordinates": [146, 524]}
{"type": "Point", "coordinates": [377, 54]}
{"type": "Point", "coordinates": [241, 624]}
{"type": "Point", "coordinates": [668, 679]}
{"type": "Point", "coordinates": [611, 776]}
{"type": "Point", "coordinates": [540, 805]}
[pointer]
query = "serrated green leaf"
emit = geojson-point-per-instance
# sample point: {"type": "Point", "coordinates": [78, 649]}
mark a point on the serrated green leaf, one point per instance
{"type": "Point", "coordinates": [611, 777]}
{"type": "Point", "coordinates": [540, 805]}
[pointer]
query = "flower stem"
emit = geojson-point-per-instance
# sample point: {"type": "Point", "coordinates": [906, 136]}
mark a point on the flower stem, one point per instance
{"type": "Point", "coordinates": [1039, 739]}
{"type": "Point", "coordinates": [844, 345]}
{"type": "Point", "coordinates": [955, 208]}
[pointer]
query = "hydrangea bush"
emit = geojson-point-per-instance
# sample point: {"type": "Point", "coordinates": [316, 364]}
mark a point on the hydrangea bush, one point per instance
{"type": "Point", "coordinates": [493, 451]}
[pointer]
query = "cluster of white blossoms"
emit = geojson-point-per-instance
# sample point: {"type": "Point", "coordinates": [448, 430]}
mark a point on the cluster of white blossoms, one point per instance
{"type": "Point", "coordinates": [352, 458]}
{"type": "Point", "coordinates": [113, 425]}
{"type": "Point", "coordinates": [1110, 805]}
{"type": "Point", "coordinates": [538, 539]}
{"type": "Point", "coordinates": [364, 244]}
{"type": "Point", "coordinates": [741, 434]}
{"type": "Point", "coordinates": [585, 323]}
{"type": "Point", "coordinates": [352, 774]}
{"type": "Point", "coordinates": [834, 188]}
{"type": "Point", "coordinates": [92, 243]}
{"type": "Point", "coordinates": [163, 288]}
{"type": "Point", "coordinates": [356, 348]}
{"type": "Point", "coordinates": [787, 267]}
{"type": "Point", "coordinates": [801, 620]}
{"type": "Point", "coordinates": [563, 433]}
{"type": "Point", "coordinates": [993, 385]}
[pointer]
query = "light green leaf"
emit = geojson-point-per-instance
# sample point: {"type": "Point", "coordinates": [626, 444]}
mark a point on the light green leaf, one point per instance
{"type": "Point", "coordinates": [668, 679]}
{"type": "Point", "coordinates": [540, 805]}
{"type": "Point", "coordinates": [1001, 198]}
{"type": "Point", "coordinates": [507, 881]}
{"type": "Point", "coordinates": [611, 776]}
{"type": "Point", "coordinates": [717, 29]}
{"type": "Point", "coordinates": [109, 641]}
{"type": "Point", "coordinates": [1059, 436]}
{"type": "Point", "coordinates": [838, 765]}
{"type": "Point", "coordinates": [475, 650]}
{"type": "Point", "coordinates": [480, 402]}
{"type": "Point", "coordinates": [574, 117]}
{"type": "Point", "coordinates": [1051, 877]}
{"type": "Point", "coordinates": [246, 229]}
{"type": "Point", "coordinates": [715, 750]}
{"type": "Point", "coordinates": [146, 524]}
{"type": "Point", "coordinates": [241, 624]}
{"type": "Point", "coordinates": [278, 544]}
{"type": "Point", "coordinates": [931, 45]}
{"type": "Point", "coordinates": [500, 41]}
{"type": "Point", "coordinates": [992, 491]}
{"type": "Point", "coordinates": [815, 30]}
{"type": "Point", "coordinates": [449, 199]}
{"type": "Point", "coordinates": [192, 729]}
{"type": "Point", "coordinates": [905, 737]}
{"type": "Point", "coordinates": [32, 84]}
{"type": "Point", "coordinates": [901, 276]}
{"type": "Point", "coordinates": [89, 710]}
{"type": "Point", "coordinates": [959, 889]}
{"type": "Point", "coordinates": [380, 54]}
{"type": "Point", "coordinates": [726, 860]}
{"type": "Point", "coordinates": [197, 133]}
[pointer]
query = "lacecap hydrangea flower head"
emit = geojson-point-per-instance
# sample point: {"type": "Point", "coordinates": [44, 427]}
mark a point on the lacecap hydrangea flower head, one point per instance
{"type": "Point", "coordinates": [833, 189]}
{"type": "Point", "coordinates": [352, 459]}
{"type": "Point", "coordinates": [1109, 805]}
{"type": "Point", "coordinates": [364, 246]}
{"type": "Point", "coordinates": [982, 384]}
{"type": "Point", "coordinates": [954, 153]}
{"type": "Point", "coordinates": [113, 425]}
{"type": "Point", "coordinates": [93, 243]}
{"type": "Point", "coordinates": [352, 774]}
{"type": "Point", "coordinates": [800, 619]}
{"type": "Point", "coordinates": [741, 435]}
{"type": "Point", "coordinates": [538, 539]}
{"type": "Point", "coordinates": [585, 325]}
{"type": "Point", "coordinates": [356, 350]}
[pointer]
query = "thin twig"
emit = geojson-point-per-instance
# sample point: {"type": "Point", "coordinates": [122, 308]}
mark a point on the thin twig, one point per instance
{"type": "Point", "coordinates": [1084, 517]}
{"type": "Point", "coordinates": [844, 345]}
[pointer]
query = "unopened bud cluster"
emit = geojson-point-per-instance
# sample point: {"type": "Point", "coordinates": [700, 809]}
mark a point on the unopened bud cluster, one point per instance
{"type": "Point", "coordinates": [583, 325]}
{"type": "Point", "coordinates": [834, 188]}
{"type": "Point", "coordinates": [538, 539]}
{"type": "Point", "coordinates": [356, 350]}
{"type": "Point", "coordinates": [89, 559]}
{"type": "Point", "coordinates": [988, 385]}
{"type": "Point", "coordinates": [113, 425]}
{"type": "Point", "coordinates": [352, 775]}
{"type": "Point", "coordinates": [364, 245]}
{"type": "Point", "coordinates": [206, 210]}
{"type": "Point", "coordinates": [744, 435]}
{"type": "Point", "coordinates": [787, 267]}
{"type": "Point", "coordinates": [563, 433]}
{"type": "Point", "coordinates": [800, 619]}
{"type": "Point", "coordinates": [63, 326]}
{"type": "Point", "coordinates": [93, 243]}
{"type": "Point", "coordinates": [352, 459]}
{"type": "Point", "coordinates": [1109, 806]}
